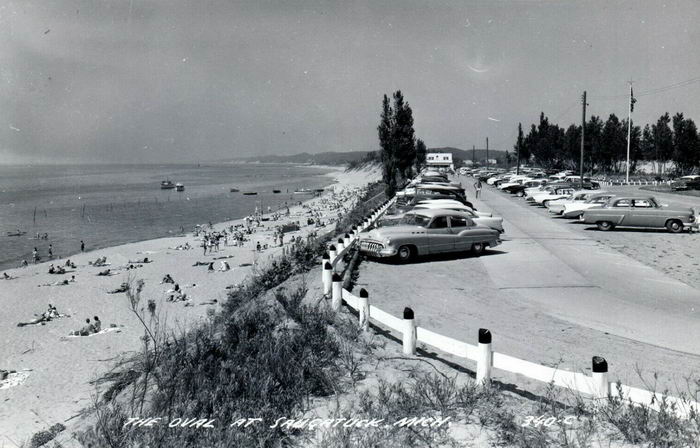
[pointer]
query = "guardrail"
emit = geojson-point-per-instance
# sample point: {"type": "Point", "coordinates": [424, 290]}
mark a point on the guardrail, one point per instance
{"type": "Point", "coordinates": [607, 183]}
{"type": "Point", "coordinates": [596, 385]}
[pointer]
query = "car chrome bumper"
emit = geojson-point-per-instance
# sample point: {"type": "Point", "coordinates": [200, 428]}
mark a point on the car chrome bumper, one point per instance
{"type": "Point", "coordinates": [376, 249]}
{"type": "Point", "coordinates": [692, 226]}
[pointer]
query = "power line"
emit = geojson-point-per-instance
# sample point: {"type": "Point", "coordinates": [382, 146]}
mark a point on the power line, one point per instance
{"type": "Point", "coordinates": [653, 91]}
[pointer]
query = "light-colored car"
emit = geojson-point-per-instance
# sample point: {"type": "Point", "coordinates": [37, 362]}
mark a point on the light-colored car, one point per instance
{"type": "Point", "coordinates": [557, 207]}
{"type": "Point", "coordinates": [576, 209]}
{"type": "Point", "coordinates": [493, 222]}
{"type": "Point", "coordinates": [640, 211]}
{"type": "Point", "coordinates": [551, 193]}
{"type": "Point", "coordinates": [428, 232]}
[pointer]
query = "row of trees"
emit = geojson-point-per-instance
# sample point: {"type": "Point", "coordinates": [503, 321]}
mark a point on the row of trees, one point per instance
{"type": "Point", "coordinates": [400, 151]}
{"type": "Point", "coordinates": [673, 140]}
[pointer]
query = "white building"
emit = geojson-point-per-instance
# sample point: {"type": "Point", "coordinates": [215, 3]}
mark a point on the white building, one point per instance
{"type": "Point", "coordinates": [439, 160]}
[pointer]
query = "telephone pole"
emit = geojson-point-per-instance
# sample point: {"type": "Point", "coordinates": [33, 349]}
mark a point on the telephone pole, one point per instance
{"type": "Point", "coordinates": [629, 132]}
{"type": "Point", "coordinates": [583, 134]}
{"type": "Point", "coordinates": [487, 152]}
{"type": "Point", "coordinates": [517, 169]}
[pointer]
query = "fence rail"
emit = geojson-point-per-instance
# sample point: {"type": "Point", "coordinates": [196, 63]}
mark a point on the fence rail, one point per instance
{"type": "Point", "coordinates": [595, 385]}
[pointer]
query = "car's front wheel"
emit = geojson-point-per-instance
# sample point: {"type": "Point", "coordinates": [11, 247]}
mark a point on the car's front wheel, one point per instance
{"type": "Point", "coordinates": [674, 226]}
{"type": "Point", "coordinates": [520, 194]}
{"type": "Point", "coordinates": [405, 254]}
{"type": "Point", "coordinates": [478, 248]}
{"type": "Point", "coordinates": [605, 225]}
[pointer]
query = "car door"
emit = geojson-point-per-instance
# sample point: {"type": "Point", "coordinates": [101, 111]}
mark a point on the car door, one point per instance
{"type": "Point", "coordinates": [622, 211]}
{"type": "Point", "coordinates": [646, 214]}
{"type": "Point", "coordinates": [462, 240]}
{"type": "Point", "coordinates": [440, 236]}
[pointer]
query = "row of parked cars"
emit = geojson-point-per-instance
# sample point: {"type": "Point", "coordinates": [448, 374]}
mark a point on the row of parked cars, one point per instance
{"type": "Point", "coordinates": [607, 210]}
{"type": "Point", "coordinates": [431, 215]}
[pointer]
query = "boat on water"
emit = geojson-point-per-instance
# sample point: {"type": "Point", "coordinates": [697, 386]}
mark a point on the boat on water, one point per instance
{"type": "Point", "coordinates": [179, 187]}
{"type": "Point", "coordinates": [17, 233]}
{"type": "Point", "coordinates": [234, 190]}
{"type": "Point", "coordinates": [250, 193]}
{"type": "Point", "coordinates": [167, 185]}
{"type": "Point", "coordinates": [303, 191]}
{"type": "Point", "coordinates": [319, 190]}
{"type": "Point", "coordinates": [277, 191]}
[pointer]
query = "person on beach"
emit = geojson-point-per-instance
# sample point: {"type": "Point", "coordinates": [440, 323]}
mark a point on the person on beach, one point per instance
{"type": "Point", "coordinates": [85, 331]}
{"type": "Point", "coordinates": [477, 188]}
{"type": "Point", "coordinates": [96, 325]}
{"type": "Point", "coordinates": [35, 255]}
{"type": "Point", "coordinates": [6, 276]}
{"type": "Point", "coordinates": [49, 314]}
{"type": "Point", "coordinates": [50, 250]}
{"type": "Point", "coordinates": [258, 247]}
{"type": "Point", "coordinates": [211, 267]}
{"type": "Point", "coordinates": [167, 279]}
{"type": "Point", "coordinates": [82, 246]}
{"type": "Point", "coordinates": [204, 245]}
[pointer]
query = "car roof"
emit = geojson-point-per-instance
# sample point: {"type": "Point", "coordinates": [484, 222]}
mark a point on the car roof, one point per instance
{"type": "Point", "coordinates": [438, 187]}
{"type": "Point", "coordinates": [433, 212]}
{"type": "Point", "coordinates": [433, 205]}
{"type": "Point", "coordinates": [644, 198]}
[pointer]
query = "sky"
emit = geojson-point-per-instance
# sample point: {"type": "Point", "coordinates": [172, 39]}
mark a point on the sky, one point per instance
{"type": "Point", "coordinates": [134, 81]}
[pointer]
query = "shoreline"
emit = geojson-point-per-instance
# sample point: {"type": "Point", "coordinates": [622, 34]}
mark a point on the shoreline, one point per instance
{"type": "Point", "coordinates": [59, 369]}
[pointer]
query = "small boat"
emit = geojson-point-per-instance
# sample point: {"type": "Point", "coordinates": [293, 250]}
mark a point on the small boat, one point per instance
{"type": "Point", "coordinates": [179, 187]}
{"type": "Point", "coordinates": [277, 191]}
{"type": "Point", "coordinates": [250, 193]}
{"type": "Point", "coordinates": [17, 233]}
{"type": "Point", "coordinates": [303, 191]}
{"type": "Point", "coordinates": [319, 190]}
{"type": "Point", "coordinates": [234, 190]}
{"type": "Point", "coordinates": [167, 185]}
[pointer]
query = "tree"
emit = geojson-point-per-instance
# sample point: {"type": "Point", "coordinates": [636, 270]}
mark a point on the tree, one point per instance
{"type": "Point", "coordinates": [685, 144]}
{"type": "Point", "coordinates": [519, 145]}
{"type": "Point", "coordinates": [421, 150]}
{"type": "Point", "coordinates": [403, 136]}
{"type": "Point", "coordinates": [386, 144]}
{"type": "Point", "coordinates": [663, 140]}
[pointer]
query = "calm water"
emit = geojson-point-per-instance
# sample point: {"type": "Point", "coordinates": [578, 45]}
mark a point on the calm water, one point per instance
{"type": "Point", "coordinates": [106, 205]}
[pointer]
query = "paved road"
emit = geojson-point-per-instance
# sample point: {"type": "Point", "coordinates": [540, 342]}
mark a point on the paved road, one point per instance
{"type": "Point", "coordinates": [552, 293]}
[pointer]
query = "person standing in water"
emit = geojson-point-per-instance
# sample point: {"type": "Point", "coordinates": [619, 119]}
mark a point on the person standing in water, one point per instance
{"type": "Point", "coordinates": [82, 246]}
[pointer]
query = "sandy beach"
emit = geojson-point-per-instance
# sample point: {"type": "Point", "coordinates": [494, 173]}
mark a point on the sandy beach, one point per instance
{"type": "Point", "coordinates": [54, 373]}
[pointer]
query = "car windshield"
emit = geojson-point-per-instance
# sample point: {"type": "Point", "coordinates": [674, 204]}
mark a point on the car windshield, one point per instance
{"type": "Point", "coordinates": [414, 220]}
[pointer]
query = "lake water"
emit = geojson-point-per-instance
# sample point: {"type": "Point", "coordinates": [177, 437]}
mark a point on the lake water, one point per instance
{"type": "Point", "coordinates": [107, 205]}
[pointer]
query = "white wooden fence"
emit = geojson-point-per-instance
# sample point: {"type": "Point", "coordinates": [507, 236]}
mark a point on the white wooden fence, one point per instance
{"type": "Point", "coordinates": [596, 385]}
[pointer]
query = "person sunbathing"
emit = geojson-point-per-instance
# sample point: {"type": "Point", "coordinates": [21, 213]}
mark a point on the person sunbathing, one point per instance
{"type": "Point", "coordinates": [6, 276]}
{"type": "Point", "coordinates": [87, 330]}
{"type": "Point", "coordinates": [106, 272]}
{"type": "Point", "coordinates": [124, 287]}
{"type": "Point", "coordinates": [50, 313]}
{"type": "Point", "coordinates": [167, 279]}
{"type": "Point", "coordinates": [143, 260]}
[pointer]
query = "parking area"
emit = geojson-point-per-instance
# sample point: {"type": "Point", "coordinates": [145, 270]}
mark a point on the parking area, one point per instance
{"type": "Point", "coordinates": [557, 292]}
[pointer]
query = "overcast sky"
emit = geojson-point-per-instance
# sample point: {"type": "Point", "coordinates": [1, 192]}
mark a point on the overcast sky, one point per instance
{"type": "Point", "coordinates": [171, 80]}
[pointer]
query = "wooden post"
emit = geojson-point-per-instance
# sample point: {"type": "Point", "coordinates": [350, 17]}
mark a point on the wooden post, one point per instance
{"type": "Point", "coordinates": [346, 240]}
{"type": "Point", "coordinates": [332, 252]}
{"type": "Point", "coordinates": [325, 259]}
{"type": "Point", "coordinates": [409, 332]}
{"type": "Point", "coordinates": [327, 277]}
{"type": "Point", "coordinates": [484, 357]}
{"type": "Point", "coordinates": [364, 309]}
{"type": "Point", "coordinates": [340, 245]}
{"type": "Point", "coordinates": [601, 387]}
{"type": "Point", "coordinates": [337, 291]}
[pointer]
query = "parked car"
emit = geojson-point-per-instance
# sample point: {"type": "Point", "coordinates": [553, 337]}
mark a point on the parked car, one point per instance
{"type": "Point", "coordinates": [640, 211]}
{"type": "Point", "coordinates": [551, 193]}
{"type": "Point", "coordinates": [428, 232]}
{"type": "Point", "coordinates": [493, 222]}
{"type": "Point", "coordinates": [519, 189]}
{"type": "Point", "coordinates": [691, 182]}
{"type": "Point", "coordinates": [557, 207]}
{"type": "Point", "coordinates": [576, 209]}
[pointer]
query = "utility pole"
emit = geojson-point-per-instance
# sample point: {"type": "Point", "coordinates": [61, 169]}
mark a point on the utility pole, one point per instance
{"type": "Point", "coordinates": [474, 155]}
{"type": "Point", "coordinates": [583, 134]}
{"type": "Point", "coordinates": [487, 152]}
{"type": "Point", "coordinates": [629, 132]}
{"type": "Point", "coordinates": [517, 169]}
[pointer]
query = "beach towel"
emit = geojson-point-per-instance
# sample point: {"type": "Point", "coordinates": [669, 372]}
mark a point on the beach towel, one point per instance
{"type": "Point", "coordinates": [105, 331]}
{"type": "Point", "coordinates": [14, 379]}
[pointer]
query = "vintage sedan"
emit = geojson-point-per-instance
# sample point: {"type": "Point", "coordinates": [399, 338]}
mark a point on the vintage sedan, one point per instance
{"type": "Point", "coordinates": [426, 232]}
{"type": "Point", "coordinates": [640, 211]}
{"type": "Point", "coordinates": [557, 207]}
{"type": "Point", "coordinates": [576, 209]}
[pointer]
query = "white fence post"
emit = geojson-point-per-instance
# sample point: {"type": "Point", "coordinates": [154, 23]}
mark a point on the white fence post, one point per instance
{"type": "Point", "coordinates": [325, 259]}
{"type": "Point", "coordinates": [337, 291]}
{"type": "Point", "coordinates": [409, 332]}
{"type": "Point", "coordinates": [332, 252]}
{"type": "Point", "coordinates": [346, 240]}
{"type": "Point", "coordinates": [484, 358]}
{"type": "Point", "coordinates": [340, 245]}
{"type": "Point", "coordinates": [601, 387]}
{"type": "Point", "coordinates": [327, 277]}
{"type": "Point", "coordinates": [364, 309]}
